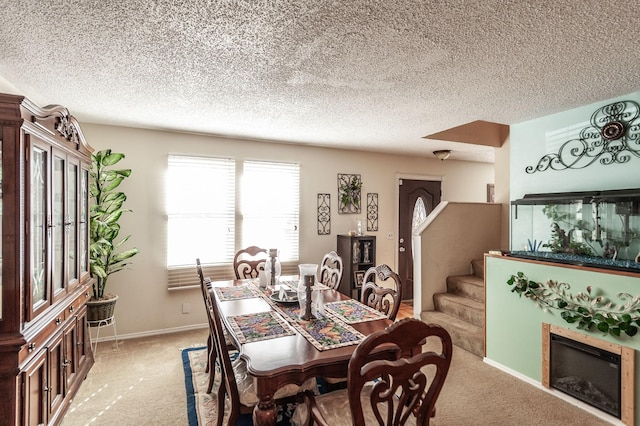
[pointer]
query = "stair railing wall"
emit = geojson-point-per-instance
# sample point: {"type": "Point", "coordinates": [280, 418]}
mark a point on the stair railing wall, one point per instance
{"type": "Point", "coordinates": [451, 236]}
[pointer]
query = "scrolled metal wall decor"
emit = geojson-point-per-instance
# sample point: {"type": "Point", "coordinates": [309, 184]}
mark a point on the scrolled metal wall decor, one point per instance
{"type": "Point", "coordinates": [612, 137]}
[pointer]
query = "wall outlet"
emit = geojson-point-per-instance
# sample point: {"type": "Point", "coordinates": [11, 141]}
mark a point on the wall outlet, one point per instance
{"type": "Point", "coordinates": [186, 308]}
{"type": "Point", "coordinates": [389, 235]}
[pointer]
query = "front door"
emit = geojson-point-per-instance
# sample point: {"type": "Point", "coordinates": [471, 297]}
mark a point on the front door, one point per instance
{"type": "Point", "coordinates": [416, 197]}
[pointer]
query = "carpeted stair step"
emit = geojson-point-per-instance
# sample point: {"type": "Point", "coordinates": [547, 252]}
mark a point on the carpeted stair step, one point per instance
{"type": "Point", "coordinates": [466, 285]}
{"type": "Point", "coordinates": [463, 334]}
{"type": "Point", "coordinates": [477, 266]}
{"type": "Point", "coordinates": [460, 307]}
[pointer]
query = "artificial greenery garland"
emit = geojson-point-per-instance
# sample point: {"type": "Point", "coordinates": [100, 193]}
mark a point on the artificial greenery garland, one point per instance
{"type": "Point", "coordinates": [583, 308]}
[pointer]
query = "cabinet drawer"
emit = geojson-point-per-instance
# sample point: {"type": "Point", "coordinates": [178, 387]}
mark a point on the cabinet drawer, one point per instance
{"type": "Point", "coordinates": [39, 340]}
{"type": "Point", "coordinates": [75, 306]}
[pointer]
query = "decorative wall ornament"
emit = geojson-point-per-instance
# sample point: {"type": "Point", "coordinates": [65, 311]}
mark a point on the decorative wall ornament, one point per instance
{"type": "Point", "coordinates": [349, 188]}
{"type": "Point", "coordinates": [612, 137]}
{"type": "Point", "coordinates": [324, 214]}
{"type": "Point", "coordinates": [584, 309]}
{"type": "Point", "coordinates": [372, 211]}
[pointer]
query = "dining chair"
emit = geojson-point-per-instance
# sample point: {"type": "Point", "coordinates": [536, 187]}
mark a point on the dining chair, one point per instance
{"type": "Point", "coordinates": [212, 352]}
{"type": "Point", "coordinates": [394, 387]}
{"type": "Point", "coordinates": [331, 270]}
{"type": "Point", "coordinates": [248, 262]}
{"type": "Point", "coordinates": [237, 385]}
{"type": "Point", "coordinates": [384, 299]}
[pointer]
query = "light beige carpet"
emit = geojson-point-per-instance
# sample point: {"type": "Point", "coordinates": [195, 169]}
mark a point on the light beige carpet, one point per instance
{"type": "Point", "coordinates": [142, 383]}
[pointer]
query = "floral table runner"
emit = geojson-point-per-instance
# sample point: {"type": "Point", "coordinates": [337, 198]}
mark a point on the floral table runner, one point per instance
{"type": "Point", "coordinates": [293, 285]}
{"type": "Point", "coordinates": [261, 326]}
{"type": "Point", "coordinates": [239, 292]}
{"type": "Point", "coordinates": [352, 311]}
{"type": "Point", "coordinates": [325, 332]}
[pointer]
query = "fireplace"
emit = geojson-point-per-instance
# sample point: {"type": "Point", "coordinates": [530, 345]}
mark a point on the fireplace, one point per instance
{"type": "Point", "coordinates": [586, 373]}
{"type": "Point", "coordinates": [593, 371]}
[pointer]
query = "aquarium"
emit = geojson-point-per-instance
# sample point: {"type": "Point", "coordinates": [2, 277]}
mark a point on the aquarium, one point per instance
{"type": "Point", "coordinates": [597, 228]}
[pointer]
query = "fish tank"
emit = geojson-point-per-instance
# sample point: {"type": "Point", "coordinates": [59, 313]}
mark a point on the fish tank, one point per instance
{"type": "Point", "coordinates": [597, 228]}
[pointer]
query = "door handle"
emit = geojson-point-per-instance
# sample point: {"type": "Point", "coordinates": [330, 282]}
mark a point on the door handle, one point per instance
{"type": "Point", "coordinates": [401, 249]}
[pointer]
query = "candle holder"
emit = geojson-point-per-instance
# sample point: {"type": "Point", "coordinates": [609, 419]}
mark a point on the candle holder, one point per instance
{"type": "Point", "coordinates": [272, 268]}
{"type": "Point", "coordinates": [308, 283]}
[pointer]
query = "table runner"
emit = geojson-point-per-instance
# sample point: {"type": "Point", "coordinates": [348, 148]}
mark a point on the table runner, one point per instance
{"type": "Point", "coordinates": [293, 285]}
{"type": "Point", "coordinates": [238, 292]}
{"type": "Point", "coordinates": [261, 326]}
{"type": "Point", "coordinates": [352, 311]}
{"type": "Point", "coordinates": [325, 332]}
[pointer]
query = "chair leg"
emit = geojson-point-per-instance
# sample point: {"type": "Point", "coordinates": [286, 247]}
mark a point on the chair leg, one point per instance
{"type": "Point", "coordinates": [222, 394]}
{"type": "Point", "coordinates": [209, 349]}
{"type": "Point", "coordinates": [212, 368]}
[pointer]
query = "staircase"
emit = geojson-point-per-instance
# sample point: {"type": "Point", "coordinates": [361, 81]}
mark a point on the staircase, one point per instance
{"type": "Point", "coordinates": [461, 309]}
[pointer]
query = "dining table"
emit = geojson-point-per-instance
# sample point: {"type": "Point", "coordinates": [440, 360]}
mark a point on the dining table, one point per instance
{"type": "Point", "coordinates": [281, 348]}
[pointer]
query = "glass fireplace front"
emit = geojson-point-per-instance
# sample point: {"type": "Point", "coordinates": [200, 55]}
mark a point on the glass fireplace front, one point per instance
{"type": "Point", "coordinates": [586, 373]}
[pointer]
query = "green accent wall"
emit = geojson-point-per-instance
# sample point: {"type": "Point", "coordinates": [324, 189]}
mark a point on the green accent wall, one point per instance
{"type": "Point", "coordinates": [514, 323]}
{"type": "Point", "coordinates": [532, 139]}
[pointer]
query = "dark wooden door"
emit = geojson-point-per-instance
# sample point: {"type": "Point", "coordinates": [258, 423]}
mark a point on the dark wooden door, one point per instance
{"type": "Point", "coordinates": [410, 192]}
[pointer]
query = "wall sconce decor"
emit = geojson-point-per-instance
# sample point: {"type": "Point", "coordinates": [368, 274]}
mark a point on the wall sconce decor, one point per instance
{"type": "Point", "coordinates": [349, 187]}
{"type": "Point", "coordinates": [613, 135]}
{"type": "Point", "coordinates": [324, 214]}
{"type": "Point", "coordinates": [372, 211]}
{"type": "Point", "coordinates": [442, 154]}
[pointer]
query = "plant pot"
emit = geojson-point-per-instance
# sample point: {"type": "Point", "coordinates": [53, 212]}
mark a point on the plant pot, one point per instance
{"type": "Point", "coordinates": [100, 310]}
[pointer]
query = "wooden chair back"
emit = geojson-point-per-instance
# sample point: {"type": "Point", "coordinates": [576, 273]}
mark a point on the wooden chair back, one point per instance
{"type": "Point", "coordinates": [405, 384]}
{"type": "Point", "coordinates": [212, 353]}
{"type": "Point", "coordinates": [331, 270]}
{"type": "Point", "coordinates": [228, 385]}
{"type": "Point", "coordinates": [248, 262]}
{"type": "Point", "coordinates": [384, 299]}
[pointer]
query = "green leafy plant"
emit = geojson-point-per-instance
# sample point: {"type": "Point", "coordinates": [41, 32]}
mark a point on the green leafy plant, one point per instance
{"type": "Point", "coordinates": [105, 212]}
{"type": "Point", "coordinates": [583, 309]}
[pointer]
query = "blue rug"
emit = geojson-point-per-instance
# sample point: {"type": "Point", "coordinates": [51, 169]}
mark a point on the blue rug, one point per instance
{"type": "Point", "coordinates": [201, 406]}
{"type": "Point", "coordinates": [188, 382]}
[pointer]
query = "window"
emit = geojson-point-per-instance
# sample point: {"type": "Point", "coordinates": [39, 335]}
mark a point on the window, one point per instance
{"type": "Point", "coordinates": [270, 207]}
{"type": "Point", "coordinates": [206, 222]}
{"type": "Point", "coordinates": [419, 213]}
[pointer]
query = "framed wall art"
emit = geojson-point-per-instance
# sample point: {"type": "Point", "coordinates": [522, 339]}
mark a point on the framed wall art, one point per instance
{"type": "Point", "coordinates": [349, 193]}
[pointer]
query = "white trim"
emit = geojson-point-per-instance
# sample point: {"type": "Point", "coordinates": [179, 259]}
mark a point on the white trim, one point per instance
{"type": "Point", "coordinates": [563, 396]}
{"type": "Point", "coordinates": [154, 332]}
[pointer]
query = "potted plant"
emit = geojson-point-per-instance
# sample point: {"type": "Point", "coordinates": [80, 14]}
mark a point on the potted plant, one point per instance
{"type": "Point", "coordinates": [105, 211]}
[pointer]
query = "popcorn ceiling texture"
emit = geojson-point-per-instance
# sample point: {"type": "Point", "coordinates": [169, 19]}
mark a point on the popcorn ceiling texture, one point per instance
{"type": "Point", "coordinates": [375, 75]}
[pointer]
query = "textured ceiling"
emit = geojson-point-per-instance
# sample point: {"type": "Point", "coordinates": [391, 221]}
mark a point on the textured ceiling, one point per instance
{"type": "Point", "coordinates": [375, 75]}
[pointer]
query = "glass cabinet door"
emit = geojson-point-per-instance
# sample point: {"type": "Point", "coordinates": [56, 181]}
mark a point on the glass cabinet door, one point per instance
{"type": "Point", "coordinates": [72, 222]}
{"type": "Point", "coordinates": [84, 222]}
{"type": "Point", "coordinates": [38, 228]}
{"type": "Point", "coordinates": [58, 229]}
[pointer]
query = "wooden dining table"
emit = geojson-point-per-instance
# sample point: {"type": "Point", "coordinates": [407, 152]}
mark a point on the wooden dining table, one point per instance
{"type": "Point", "coordinates": [292, 358]}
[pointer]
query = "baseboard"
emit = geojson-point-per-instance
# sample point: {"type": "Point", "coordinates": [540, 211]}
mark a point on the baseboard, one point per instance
{"type": "Point", "coordinates": [563, 396]}
{"type": "Point", "coordinates": [153, 332]}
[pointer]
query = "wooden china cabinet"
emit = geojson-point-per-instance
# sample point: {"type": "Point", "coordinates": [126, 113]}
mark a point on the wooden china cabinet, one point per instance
{"type": "Point", "coordinates": [45, 350]}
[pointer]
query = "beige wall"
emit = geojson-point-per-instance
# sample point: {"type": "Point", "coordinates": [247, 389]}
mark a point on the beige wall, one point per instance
{"type": "Point", "coordinates": [502, 192]}
{"type": "Point", "coordinates": [147, 307]}
{"type": "Point", "coordinates": [445, 248]}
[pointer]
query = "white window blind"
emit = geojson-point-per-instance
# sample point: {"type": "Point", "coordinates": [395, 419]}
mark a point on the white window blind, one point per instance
{"type": "Point", "coordinates": [202, 219]}
{"type": "Point", "coordinates": [201, 216]}
{"type": "Point", "coordinates": [270, 207]}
